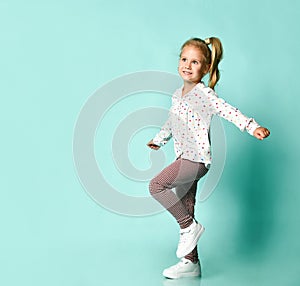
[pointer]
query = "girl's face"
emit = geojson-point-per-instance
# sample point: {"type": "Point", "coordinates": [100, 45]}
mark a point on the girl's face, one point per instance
{"type": "Point", "coordinates": [192, 64]}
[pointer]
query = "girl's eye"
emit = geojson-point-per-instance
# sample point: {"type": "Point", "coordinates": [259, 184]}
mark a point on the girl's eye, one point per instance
{"type": "Point", "coordinates": [183, 59]}
{"type": "Point", "coordinates": [195, 62]}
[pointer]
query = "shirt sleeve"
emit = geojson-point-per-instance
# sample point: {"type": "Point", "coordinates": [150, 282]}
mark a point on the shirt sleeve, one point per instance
{"type": "Point", "coordinates": [223, 109]}
{"type": "Point", "coordinates": [164, 135]}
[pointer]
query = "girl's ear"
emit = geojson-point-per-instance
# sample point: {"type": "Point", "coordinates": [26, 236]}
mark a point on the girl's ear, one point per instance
{"type": "Point", "coordinates": [207, 69]}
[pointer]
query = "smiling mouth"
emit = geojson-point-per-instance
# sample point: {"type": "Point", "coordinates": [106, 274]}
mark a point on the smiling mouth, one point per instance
{"type": "Point", "coordinates": [187, 73]}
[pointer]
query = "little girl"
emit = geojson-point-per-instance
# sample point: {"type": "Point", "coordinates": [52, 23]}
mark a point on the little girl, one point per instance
{"type": "Point", "coordinates": [193, 106]}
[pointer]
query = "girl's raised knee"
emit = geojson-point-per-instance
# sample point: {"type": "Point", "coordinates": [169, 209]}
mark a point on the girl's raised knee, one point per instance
{"type": "Point", "coordinates": [153, 187]}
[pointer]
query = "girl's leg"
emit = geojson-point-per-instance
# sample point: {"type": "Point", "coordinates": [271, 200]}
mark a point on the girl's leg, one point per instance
{"type": "Point", "coordinates": [182, 173]}
{"type": "Point", "coordinates": [189, 200]}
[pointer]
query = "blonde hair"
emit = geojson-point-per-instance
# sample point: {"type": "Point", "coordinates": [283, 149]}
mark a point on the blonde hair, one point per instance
{"type": "Point", "coordinates": [212, 56]}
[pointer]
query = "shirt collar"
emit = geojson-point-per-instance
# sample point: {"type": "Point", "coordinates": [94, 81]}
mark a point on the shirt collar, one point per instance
{"type": "Point", "coordinates": [199, 85]}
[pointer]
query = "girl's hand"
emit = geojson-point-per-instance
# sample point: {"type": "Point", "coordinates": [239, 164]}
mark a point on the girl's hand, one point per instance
{"type": "Point", "coordinates": [261, 133]}
{"type": "Point", "coordinates": [151, 145]}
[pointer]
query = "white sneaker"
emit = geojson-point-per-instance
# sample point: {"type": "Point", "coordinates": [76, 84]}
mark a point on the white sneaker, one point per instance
{"type": "Point", "coordinates": [189, 238]}
{"type": "Point", "coordinates": [184, 268]}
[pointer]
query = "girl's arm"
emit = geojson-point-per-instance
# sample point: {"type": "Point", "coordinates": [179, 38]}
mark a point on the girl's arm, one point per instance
{"type": "Point", "coordinates": [162, 137]}
{"type": "Point", "coordinates": [223, 109]}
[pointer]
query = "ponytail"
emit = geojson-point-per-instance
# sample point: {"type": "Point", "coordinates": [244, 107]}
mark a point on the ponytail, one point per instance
{"type": "Point", "coordinates": [216, 57]}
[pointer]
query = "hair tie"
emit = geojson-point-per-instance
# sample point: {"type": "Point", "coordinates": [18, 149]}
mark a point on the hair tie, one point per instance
{"type": "Point", "coordinates": [207, 41]}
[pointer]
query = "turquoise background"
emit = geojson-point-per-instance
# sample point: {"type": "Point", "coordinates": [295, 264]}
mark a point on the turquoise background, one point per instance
{"type": "Point", "coordinates": [55, 54]}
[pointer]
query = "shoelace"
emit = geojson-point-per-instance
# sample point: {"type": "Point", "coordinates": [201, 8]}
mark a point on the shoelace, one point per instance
{"type": "Point", "coordinates": [181, 262]}
{"type": "Point", "coordinates": [183, 236]}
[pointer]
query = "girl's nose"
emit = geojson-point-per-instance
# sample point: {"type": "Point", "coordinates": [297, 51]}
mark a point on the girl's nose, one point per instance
{"type": "Point", "coordinates": [188, 65]}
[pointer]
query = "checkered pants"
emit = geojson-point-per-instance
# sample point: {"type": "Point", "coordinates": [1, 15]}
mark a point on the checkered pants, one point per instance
{"type": "Point", "coordinates": [183, 175]}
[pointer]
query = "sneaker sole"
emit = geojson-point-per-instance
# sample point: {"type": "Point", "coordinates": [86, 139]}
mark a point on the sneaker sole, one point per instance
{"type": "Point", "coordinates": [193, 244]}
{"type": "Point", "coordinates": [182, 275]}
